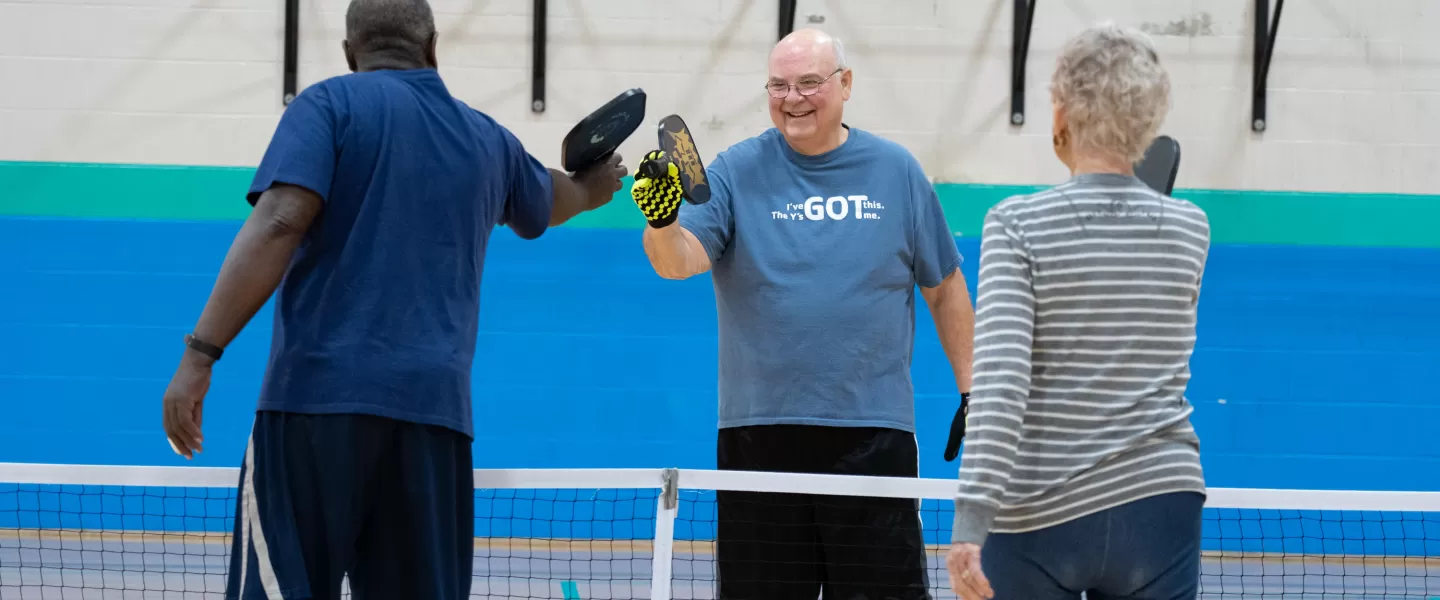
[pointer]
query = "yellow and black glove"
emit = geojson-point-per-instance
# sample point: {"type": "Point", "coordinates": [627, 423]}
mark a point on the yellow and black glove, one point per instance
{"type": "Point", "coordinates": [657, 189]}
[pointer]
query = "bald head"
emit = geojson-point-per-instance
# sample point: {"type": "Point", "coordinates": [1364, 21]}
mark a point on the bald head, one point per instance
{"type": "Point", "coordinates": [397, 33]}
{"type": "Point", "coordinates": [812, 44]}
{"type": "Point", "coordinates": [808, 85]}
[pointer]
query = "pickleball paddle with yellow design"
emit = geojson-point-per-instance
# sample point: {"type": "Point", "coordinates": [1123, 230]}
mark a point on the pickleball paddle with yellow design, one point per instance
{"type": "Point", "coordinates": [669, 175]}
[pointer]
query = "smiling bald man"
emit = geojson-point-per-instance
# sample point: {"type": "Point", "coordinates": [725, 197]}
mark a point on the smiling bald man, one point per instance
{"type": "Point", "coordinates": [817, 235]}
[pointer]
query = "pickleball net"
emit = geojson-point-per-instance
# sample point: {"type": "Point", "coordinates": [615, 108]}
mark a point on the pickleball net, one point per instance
{"type": "Point", "coordinates": [69, 531]}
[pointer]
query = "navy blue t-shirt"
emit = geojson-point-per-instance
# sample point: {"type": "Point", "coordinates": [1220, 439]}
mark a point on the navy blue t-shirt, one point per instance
{"type": "Point", "coordinates": [379, 308]}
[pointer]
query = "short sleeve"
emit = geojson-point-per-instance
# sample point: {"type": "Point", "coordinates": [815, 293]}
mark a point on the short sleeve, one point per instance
{"type": "Point", "coordinates": [935, 253]}
{"type": "Point", "coordinates": [713, 223]}
{"type": "Point", "coordinates": [302, 151]}
{"type": "Point", "coordinates": [529, 198]}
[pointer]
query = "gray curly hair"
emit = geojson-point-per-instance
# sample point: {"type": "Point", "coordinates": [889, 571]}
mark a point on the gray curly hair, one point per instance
{"type": "Point", "coordinates": [1114, 90]}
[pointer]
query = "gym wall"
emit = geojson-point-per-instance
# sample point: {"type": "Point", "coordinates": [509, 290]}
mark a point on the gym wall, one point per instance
{"type": "Point", "coordinates": [128, 132]}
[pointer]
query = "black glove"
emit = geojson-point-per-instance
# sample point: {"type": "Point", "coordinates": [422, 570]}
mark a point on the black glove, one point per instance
{"type": "Point", "coordinates": [657, 190]}
{"type": "Point", "coordinates": [957, 428]}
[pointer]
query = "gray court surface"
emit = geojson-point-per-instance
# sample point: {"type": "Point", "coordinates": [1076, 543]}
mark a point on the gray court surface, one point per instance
{"type": "Point", "coordinates": [176, 567]}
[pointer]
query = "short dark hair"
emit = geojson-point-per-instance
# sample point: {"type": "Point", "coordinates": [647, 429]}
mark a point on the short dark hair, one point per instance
{"type": "Point", "coordinates": [402, 28]}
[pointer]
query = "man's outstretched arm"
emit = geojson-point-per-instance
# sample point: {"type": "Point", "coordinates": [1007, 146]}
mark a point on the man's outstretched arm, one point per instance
{"type": "Point", "coordinates": [252, 270]}
{"type": "Point", "coordinates": [674, 252]}
{"type": "Point", "coordinates": [586, 190]}
{"type": "Point", "coordinates": [540, 197]}
{"type": "Point", "coordinates": [681, 243]}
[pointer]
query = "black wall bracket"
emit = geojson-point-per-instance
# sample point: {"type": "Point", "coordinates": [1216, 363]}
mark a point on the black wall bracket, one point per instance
{"type": "Point", "coordinates": [1265, 28]}
{"type": "Point", "coordinates": [537, 60]}
{"type": "Point", "coordinates": [1019, 51]}
{"type": "Point", "coordinates": [292, 50]}
{"type": "Point", "coordinates": [787, 18]}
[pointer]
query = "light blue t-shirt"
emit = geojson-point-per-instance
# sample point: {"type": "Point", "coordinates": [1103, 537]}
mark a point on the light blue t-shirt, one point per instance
{"type": "Point", "coordinates": [815, 260]}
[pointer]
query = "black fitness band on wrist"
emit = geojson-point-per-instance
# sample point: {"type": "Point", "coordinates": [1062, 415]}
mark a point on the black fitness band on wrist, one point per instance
{"type": "Point", "coordinates": [206, 348]}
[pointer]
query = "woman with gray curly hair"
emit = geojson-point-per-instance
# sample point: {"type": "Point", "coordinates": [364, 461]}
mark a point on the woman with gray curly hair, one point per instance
{"type": "Point", "coordinates": [1081, 471]}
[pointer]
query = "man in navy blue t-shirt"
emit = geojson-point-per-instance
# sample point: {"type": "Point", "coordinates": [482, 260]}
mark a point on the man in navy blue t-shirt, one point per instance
{"type": "Point", "coordinates": [372, 209]}
{"type": "Point", "coordinates": [816, 236]}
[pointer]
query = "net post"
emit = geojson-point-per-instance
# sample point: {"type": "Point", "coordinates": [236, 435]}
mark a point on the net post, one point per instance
{"type": "Point", "coordinates": [667, 506]}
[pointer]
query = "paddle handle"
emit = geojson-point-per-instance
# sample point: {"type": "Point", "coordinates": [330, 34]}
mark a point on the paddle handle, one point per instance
{"type": "Point", "coordinates": [653, 169]}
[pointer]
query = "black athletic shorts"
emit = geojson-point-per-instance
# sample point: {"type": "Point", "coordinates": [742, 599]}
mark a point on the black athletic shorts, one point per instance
{"type": "Point", "coordinates": [782, 546]}
{"type": "Point", "coordinates": [388, 504]}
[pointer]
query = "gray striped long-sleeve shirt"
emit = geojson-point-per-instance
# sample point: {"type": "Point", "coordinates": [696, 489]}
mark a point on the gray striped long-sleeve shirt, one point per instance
{"type": "Point", "coordinates": [1085, 322]}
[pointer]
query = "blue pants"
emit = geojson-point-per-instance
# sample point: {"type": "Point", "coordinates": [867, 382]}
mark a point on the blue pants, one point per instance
{"type": "Point", "coordinates": [1144, 550]}
{"type": "Point", "coordinates": [386, 503]}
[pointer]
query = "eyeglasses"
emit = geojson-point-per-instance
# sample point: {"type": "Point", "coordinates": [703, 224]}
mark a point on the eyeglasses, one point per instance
{"type": "Point", "coordinates": [807, 86]}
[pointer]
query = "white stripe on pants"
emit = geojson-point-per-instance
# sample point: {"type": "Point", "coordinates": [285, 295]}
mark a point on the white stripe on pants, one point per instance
{"type": "Point", "coordinates": [254, 533]}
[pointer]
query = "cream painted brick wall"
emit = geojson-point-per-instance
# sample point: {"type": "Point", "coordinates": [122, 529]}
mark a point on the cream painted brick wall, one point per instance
{"type": "Point", "coordinates": [1354, 86]}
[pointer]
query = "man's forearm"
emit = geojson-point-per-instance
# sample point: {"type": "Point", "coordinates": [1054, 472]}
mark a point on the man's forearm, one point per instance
{"type": "Point", "coordinates": [570, 199]}
{"type": "Point", "coordinates": [674, 252]}
{"type": "Point", "coordinates": [955, 322]}
{"type": "Point", "coordinates": [252, 270]}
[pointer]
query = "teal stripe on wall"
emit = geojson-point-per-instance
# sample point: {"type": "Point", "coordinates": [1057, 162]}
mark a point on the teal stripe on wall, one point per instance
{"type": "Point", "coordinates": [89, 190]}
{"type": "Point", "coordinates": [118, 191]}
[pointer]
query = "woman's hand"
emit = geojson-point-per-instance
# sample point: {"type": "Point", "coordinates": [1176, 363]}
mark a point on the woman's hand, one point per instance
{"type": "Point", "coordinates": [966, 579]}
